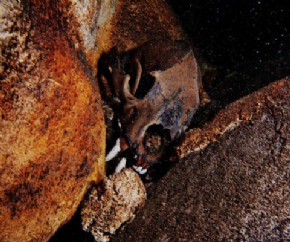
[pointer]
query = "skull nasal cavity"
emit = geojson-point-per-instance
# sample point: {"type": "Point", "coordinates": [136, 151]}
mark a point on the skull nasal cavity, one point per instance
{"type": "Point", "coordinates": [156, 138]}
{"type": "Point", "coordinates": [145, 85]}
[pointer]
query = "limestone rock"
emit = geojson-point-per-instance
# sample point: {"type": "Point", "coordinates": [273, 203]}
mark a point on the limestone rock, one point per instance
{"type": "Point", "coordinates": [113, 204]}
{"type": "Point", "coordinates": [52, 133]}
{"type": "Point", "coordinates": [235, 186]}
{"type": "Point", "coordinates": [136, 22]}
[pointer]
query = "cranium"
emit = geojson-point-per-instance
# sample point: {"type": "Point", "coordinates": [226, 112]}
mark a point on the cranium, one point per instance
{"type": "Point", "coordinates": [157, 91]}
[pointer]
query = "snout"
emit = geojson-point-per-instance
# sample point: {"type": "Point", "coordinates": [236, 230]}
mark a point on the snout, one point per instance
{"type": "Point", "coordinates": [148, 150]}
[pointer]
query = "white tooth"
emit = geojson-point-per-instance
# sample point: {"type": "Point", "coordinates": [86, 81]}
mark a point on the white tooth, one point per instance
{"type": "Point", "coordinates": [136, 168]}
{"type": "Point", "coordinates": [114, 151]}
{"type": "Point", "coordinates": [121, 165]}
{"type": "Point", "coordinates": [143, 171]}
{"type": "Point", "coordinates": [140, 170]}
{"type": "Point", "coordinates": [119, 123]}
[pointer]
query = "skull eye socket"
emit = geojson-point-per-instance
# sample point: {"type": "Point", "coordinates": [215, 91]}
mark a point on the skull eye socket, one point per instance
{"type": "Point", "coordinates": [145, 85]}
{"type": "Point", "coordinates": [156, 139]}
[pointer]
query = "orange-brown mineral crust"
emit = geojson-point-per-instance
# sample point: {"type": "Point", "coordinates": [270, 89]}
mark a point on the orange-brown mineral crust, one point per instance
{"type": "Point", "coordinates": [243, 111]}
{"type": "Point", "coordinates": [52, 133]}
{"type": "Point", "coordinates": [136, 22]}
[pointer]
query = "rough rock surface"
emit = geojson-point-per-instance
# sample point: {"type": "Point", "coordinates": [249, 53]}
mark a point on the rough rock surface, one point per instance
{"type": "Point", "coordinates": [52, 132]}
{"type": "Point", "coordinates": [113, 204]}
{"type": "Point", "coordinates": [229, 118]}
{"type": "Point", "coordinates": [235, 186]}
{"type": "Point", "coordinates": [136, 22]}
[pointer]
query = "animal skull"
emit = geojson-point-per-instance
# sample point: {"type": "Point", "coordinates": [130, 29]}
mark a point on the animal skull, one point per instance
{"type": "Point", "coordinates": [157, 90]}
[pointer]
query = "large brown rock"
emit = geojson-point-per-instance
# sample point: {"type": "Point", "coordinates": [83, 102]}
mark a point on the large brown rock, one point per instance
{"type": "Point", "coordinates": [52, 133]}
{"type": "Point", "coordinates": [136, 22]}
{"type": "Point", "coordinates": [233, 180]}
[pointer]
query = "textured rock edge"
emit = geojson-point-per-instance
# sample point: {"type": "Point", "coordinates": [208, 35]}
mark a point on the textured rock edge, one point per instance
{"type": "Point", "coordinates": [214, 193]}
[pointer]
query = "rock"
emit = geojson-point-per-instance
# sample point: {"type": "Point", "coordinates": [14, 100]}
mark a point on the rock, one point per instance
{"type": "Point", "coordinates": [136, 22]}
{"type": "Point", "coordinates": [232, 182]}
{"type": "Point", "coordinates": [114, 203]}
{"type": "Point", "coordinates": [52, 132]}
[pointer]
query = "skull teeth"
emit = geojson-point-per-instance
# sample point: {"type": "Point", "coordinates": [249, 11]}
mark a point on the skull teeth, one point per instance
{"type": "Point", "coordinates": [140, 170]}
{"type": "Point", "coordinates": [114, 151]}
{"type": "Point", "coordinates": [121, 165]}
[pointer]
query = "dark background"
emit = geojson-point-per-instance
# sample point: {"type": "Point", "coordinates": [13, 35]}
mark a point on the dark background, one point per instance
{"type": "Point", "coordinates": [242, 46]}
{"type": "Point", "coordinates": [247, 42]}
